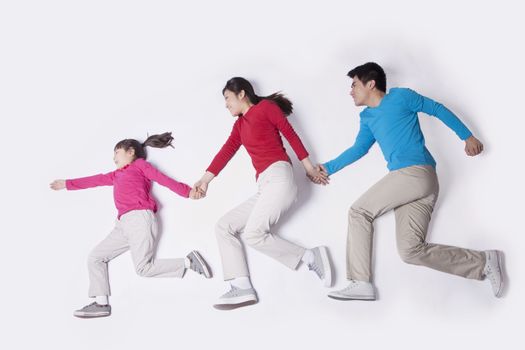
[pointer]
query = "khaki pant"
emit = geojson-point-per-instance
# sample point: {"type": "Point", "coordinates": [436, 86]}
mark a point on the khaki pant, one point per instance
{"type": "Point", "coordinates": [254, 218]}
{"type": "Point", "coordinates": [135, 231]}
{"type": "Point", "coordinates": [411, 192]}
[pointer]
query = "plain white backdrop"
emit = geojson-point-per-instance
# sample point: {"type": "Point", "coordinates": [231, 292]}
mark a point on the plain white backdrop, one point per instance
{"type": "Point", "coordinates": [78, 76]}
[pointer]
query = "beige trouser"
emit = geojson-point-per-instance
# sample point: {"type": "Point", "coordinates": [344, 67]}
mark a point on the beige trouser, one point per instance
{"type": "Point", "coordinates": [135, 231]}
{"type": "Point", "coordinates": [254, 218]}
{"type": "Point", "coordinates": [411, 192]}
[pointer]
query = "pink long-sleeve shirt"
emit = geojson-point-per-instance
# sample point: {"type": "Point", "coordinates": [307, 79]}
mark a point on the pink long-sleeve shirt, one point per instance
{"type": "Point", "coordinates": [131, 185]}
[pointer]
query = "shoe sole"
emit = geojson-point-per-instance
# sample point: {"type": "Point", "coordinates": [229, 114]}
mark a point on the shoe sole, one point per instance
{"type": "Point", "coordinates": [205, 267]}
{"type": "Point", "coordinates": [323, 251]}
{"type": "Point", "coordinates": [234, 306]}
{"type": "Point", "coordinates": [500, 267]}
{"type": "Point", "coordinates": [234, 303]}
{"type": "Point", "coordinates": [92, 316]}
{"type": "Point", "coordinates": [364, 298]}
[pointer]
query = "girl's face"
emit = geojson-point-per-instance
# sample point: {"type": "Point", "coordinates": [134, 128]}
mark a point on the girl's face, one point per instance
{"type": "Point", "coordinates": [122, 157]}
{"type": "Point", "coordinates": [236, 103]}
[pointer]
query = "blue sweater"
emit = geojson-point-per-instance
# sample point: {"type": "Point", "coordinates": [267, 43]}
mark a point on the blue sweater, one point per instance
{"type": "Point", "coordinates": [395, 127]}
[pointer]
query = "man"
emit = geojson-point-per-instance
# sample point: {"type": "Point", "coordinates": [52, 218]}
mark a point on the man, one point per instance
{"type": "Point", "coordinates": [410, 189]}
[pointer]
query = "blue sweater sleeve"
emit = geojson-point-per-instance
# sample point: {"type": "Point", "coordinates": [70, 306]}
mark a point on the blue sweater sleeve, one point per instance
{"type": "Point", "coordinates": [363, 142]}
{"type": "Point", "coordinates": [419, 103]}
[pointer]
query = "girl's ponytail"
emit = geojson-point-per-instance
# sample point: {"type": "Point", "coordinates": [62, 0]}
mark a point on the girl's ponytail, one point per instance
{"type": "Point", "coordinates": [157, 141]}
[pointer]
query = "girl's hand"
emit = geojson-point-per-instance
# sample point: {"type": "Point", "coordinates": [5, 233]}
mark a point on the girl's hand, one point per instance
{"type": "Point", "coordinates": [58, 185]}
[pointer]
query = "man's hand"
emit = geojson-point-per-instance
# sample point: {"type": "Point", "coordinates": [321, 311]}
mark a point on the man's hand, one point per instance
{"type": "Point", "coordinates": [473, 146]}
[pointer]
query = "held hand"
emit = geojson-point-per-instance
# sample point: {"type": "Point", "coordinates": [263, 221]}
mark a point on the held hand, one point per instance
{"type": "Point", "coordinates": [58, 185]}
{"type": "Point", "coordinates": [473, 146]}
{"type": "Point", "coordinates": [196, 194]}
{"type": "Point", "coordinates": [322, 168]}
{"type": "Point", "coordinates": [201, 187]}
{"type": "Point", "coordinates": [318, 175]}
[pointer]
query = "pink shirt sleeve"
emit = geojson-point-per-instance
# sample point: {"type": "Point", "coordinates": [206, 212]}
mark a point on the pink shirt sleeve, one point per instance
{"type": "Point", "coordinates": [277, 118]}
{"type": "Point", "coordinates": [228, 150]}
{"type": "Point", "coordinates": [156, 175]}
{"type": "Point", "coordinates": [90, 181]}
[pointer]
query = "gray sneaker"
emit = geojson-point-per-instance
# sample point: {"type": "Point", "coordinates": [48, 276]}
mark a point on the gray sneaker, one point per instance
{"type": "Point", "coordinates": [235, 298]}
{"type": "Point", "coordinates": [356, 290]}
{"type": "Point", "coordinates": [493, 271]}
{"type": "Point", "coordinates": [198, 264]}
{"type": "Point", "coordinates": [93, 310]}
{"type": "Point", "coordinates": [321, 265]}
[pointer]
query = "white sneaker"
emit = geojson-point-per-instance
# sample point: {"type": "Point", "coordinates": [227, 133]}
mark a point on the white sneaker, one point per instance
{"type": "Point", "coordinates": [235, 298]}
{"type": "Point", "coordinates": [321, 265]}
{"type": "Point", "coordinates": [198, 264]}
{"type": "Point", "coordinates": [93, 310]}
{"type": "Point", "coordinates": [356, 290]}
{"type": "Point", "coordinates": [493, 271]}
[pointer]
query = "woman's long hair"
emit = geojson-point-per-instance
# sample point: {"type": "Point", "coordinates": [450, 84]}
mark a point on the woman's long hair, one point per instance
{"type": "Point", "coordinates": [238, 84]}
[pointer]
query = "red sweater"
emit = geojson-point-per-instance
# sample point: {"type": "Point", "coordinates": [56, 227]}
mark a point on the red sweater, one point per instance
{"type": "Point", "coordinates": [258, 131]}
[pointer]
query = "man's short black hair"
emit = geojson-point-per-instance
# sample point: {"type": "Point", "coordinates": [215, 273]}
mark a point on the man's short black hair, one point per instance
{"type": "Point", "coordinates": [370, 71]}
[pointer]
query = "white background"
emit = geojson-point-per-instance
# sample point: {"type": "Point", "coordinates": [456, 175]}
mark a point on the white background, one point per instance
{"type": "Point", "coordinates": [76, 77]}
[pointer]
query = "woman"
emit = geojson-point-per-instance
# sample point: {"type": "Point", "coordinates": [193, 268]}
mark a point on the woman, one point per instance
{"type": "Point", "coordinates": [260, 121]}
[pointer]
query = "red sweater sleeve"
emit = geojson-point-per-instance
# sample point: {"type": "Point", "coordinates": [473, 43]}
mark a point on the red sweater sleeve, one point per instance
{"type": "Point", "coordinates": [90, 181]}
{"type": "Point", "coordinates": [228, 150]}
{"type": "Point", "coordinates": [277, 117]}
{"type": "Point", "coordinates": [156, 175]}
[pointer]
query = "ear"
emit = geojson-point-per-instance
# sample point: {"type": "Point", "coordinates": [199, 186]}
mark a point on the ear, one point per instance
{"type": "Point", "coordinates": [131, 151]}
{"type": "Point", "coordinates": [371, 85]}
{"type": "Point", "coordinates": [241, 95]}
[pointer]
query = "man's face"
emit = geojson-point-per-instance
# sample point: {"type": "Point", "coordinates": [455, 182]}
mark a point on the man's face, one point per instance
{"type": "Point", "coordinates": [359, 92]}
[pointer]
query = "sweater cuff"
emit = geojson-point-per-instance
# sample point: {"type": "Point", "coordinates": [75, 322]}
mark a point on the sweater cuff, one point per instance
{"type": "Point", "coordinates": [69, 185]}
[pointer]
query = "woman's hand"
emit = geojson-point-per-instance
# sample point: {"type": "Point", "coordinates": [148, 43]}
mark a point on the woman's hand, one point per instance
{"type": "Point", "coordinates": [201, 186]}
{"type": "Point", "coordinates": [196, 194]}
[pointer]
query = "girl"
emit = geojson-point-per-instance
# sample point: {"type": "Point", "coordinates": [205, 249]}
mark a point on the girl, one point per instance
{"type": "Point", "coordinates": [136, 225]}
{"type": "Point", "coordinates": [260, 120]}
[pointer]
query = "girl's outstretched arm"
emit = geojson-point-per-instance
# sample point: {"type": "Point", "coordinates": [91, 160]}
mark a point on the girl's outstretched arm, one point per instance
{"type": "Point", "coordinates": [83, 182]}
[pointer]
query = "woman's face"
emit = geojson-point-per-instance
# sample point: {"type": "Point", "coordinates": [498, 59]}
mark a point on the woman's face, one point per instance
{"type": "Point", "coordinates": [235, 103]}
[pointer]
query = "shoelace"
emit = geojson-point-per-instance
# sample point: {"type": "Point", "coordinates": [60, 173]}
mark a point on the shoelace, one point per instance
{"type": "Point", "coordinates": [351, 286]}
{"type": "Point", "coordinates": [490, 274]}
{"type": "Point", "coordinates": [90, 305]}
{"type": "Point", "coordinates": [317, 269]}
{"type": "Point", "coordinates": [233, 292]}
{"type": "Point", "coordinates": [196, 267]}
